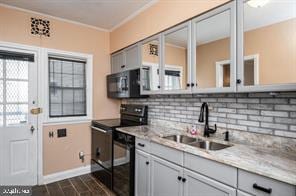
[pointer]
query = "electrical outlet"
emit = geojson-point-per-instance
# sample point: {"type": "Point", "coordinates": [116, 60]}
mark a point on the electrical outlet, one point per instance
{"type": "Point", "coordinates": [62, 132]}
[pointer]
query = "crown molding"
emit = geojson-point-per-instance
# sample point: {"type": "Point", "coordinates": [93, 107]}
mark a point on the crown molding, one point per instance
{"type": "Point", "coordinates": [133, 15]}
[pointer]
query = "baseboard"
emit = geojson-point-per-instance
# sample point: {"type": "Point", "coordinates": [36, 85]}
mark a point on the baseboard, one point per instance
{"type": "Point", "coordinates": [66, 174]}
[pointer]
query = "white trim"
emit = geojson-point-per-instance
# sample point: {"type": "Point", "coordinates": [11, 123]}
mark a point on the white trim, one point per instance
{"type": "Point", "coordinates": [54, 17]}
{"type": "Point", "coordinates": [67, 122]}
{"type": "Point", "coordinates": [66, 174]}
{"type": "Point", "coordinates": [133, 15]}
{"type": "Point", "coordinates": [89, 86]}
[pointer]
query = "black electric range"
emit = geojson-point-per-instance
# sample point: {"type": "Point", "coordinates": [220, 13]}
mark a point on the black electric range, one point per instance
{"type": "Point", "coordinates": [113, 153]}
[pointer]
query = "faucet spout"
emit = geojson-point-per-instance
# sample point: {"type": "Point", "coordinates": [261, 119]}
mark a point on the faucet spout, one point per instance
{"type": "Point", "coordinates": [204, 113]}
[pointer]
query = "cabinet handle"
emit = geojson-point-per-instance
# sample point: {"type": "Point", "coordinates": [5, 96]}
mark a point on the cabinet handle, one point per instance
{"type": "Point", "coordinates": [238, 81]}
{"type": "Point", "coordinates": [260, 188]}
{"type": "Point", "coordinates": [183, 179]}
{"type": "Point", "coordinates": [179, 178]}
{"type": "Point", "coordinates": [122, 66]}
{"type": "Point", "coordinates": [142, 145]}
{"type": "Point", "coordinates": [147, 162]}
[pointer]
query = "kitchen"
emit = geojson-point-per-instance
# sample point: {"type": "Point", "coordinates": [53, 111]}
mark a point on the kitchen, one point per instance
{"type": "Point", "coordinates": [199, 103]}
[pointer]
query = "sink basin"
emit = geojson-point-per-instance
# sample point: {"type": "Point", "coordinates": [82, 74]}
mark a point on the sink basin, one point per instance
{"type": "Point", "coordinates": [208, 145]}
{"type": "Point", "coordinates": [181, 139]}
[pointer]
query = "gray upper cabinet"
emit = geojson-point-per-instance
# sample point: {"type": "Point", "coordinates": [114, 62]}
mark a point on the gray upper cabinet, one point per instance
{"type": "Point", "coordinates": [266, 46]}
{"type": "Point", "coordinates": [214, 50]}
{"type": "Point", "coordinates": [126, 59]}
{"type": "Point", "coordinates": [142, 174]}
{"type": "Point", "coordinates": [117, 62]}
{"type": "Point", "coordinates": [198, 185]}
{"type": "Point", "coordinates": [132, 58]}
{"type": "Point", "coordinates": [165, 178]}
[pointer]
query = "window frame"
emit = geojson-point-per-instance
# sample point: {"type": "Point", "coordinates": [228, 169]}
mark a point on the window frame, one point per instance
{"type": "Point", "coordinates": [88, 79]}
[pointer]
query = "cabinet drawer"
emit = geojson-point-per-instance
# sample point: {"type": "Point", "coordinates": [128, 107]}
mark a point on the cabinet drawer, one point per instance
{"type": "Point", "coordinates": [260, 185]}
{"type": "Point", "coordinates": [212, 169]}
{"type": "Point", "coordinates": [167, 153]}
{"type": "Point", "coordinates": [143, 145]}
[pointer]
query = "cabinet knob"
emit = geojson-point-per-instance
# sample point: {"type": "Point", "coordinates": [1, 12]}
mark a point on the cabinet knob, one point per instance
{"type": "Point", "coordinates": [188, 85]}
{"type": "Point", "coordinates": [179, 178]}
{"type": "Point", "coordinates": [147, 162]}
{"type": "Point", "coordinates": [183, 179]}
{"type": "Point", "coordinates": [238, 81]}
{"type": "Point", "coordinates": [122, 66]}
{"type": "Point", "coordinates": [158, 86]}
{"type": "Point", "coordinates": [192, 84]}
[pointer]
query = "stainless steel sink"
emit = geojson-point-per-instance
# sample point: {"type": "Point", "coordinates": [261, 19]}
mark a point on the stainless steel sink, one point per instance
{"type": "Point", "coordinates": [181, 139]}
{"type": "Point", "coordinates": [208, 145]}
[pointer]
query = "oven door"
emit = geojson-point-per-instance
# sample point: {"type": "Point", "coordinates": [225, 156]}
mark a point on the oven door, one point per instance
{"type": "Point", "coordinates": [117, 85]}
{"type": "Point", "coordinates": [101, 155]}
{"type": "Point", "coordinates": [123, 164]}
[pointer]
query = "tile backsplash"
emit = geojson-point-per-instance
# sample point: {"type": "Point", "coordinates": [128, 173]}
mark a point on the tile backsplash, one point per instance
{"type": "Point", "coordinates": [273, 114]}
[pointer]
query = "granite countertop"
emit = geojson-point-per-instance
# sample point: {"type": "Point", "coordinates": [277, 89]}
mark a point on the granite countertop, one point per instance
{"type": "Point", "coordinates": [269, 162]}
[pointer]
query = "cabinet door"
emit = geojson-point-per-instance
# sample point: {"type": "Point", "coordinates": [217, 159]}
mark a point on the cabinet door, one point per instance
{"type": "Point", "coordinates": [240, 193]}
{"type": "Point", "coordinates": [132, 58]}
{"type": "Point", "coordinates": [164, 178]}
{"type": "Point", "coordinates": [117, 62]}
{"type": "Point", "coordinates": [142, 183]}
{"type": "Point", "coordinates": [266, 48]}
{"type": "Point", "coordinates": [199, 185]}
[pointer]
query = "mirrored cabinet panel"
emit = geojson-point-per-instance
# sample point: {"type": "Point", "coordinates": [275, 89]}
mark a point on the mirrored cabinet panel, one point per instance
{"type": "Point", "coordinates": [176, 58]}
{"type": "Point", "coordinates": [269, 43]}
{"type": "Point", "coordinates": [150, 69]}
{"type": "Point", "coordinates": [213, 56]}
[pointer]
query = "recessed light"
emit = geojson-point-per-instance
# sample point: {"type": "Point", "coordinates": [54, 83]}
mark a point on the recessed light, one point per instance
{"type": "Point", "coordinates": [257, 3]}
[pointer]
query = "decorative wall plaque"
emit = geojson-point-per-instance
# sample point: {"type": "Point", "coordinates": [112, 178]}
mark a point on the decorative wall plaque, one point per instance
{"type": "Point", "coordinates": [40, 27]}
{"type": "Point", "coordinates": [153, 49]}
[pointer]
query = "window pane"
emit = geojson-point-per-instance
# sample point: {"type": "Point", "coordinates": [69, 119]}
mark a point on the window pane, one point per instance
{"type": "Point", "coordinates": [55, 95]}
{"type": "Point", "coordinates": [67, 88]}
{"type": "Point", "coordinates": [55, 109]}
{"type": "Point", "coordinates": [16, 91]}
{"type": "Point", "coordinates": [17, 69]}
{"type": "Point", "coordinates": [67, 80]}
{"type": "Point", "coordinates": [16, 114]}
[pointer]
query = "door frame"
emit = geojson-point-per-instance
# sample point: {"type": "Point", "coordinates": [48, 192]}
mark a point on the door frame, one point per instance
{"type": "Point", "coordinates": [37, 51]}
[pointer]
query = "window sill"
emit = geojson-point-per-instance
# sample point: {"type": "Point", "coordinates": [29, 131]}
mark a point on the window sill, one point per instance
{"type": "Point", "coordinates": [67, 120]}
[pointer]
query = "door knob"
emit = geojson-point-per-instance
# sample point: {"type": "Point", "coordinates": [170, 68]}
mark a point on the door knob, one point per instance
{"type": "Point", "coordinates": [32, 128]}
{"type": "Point", "coordinates": [36, 111]}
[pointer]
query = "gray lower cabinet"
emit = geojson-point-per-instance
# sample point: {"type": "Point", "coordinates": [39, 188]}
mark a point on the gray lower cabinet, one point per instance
{"type": "Point", "coordinates": [241, 193]}
{"type": "Point", "coordinates": [165, 178]}
{"type": "Point", "coordinates": [142, 175]}
{"type": "Point", "coordinates": [199, 185]}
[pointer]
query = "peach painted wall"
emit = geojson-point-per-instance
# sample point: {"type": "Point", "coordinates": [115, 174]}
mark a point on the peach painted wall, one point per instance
{"type": "Point", "coordinates": [156, 18]}
{"type": "Point", "coordinates": [61, 154]}
{"type": "Point", "coordinates": [275, 45]}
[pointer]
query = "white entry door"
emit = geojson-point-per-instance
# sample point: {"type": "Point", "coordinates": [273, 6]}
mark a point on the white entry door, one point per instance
{"type": "Point", "coordinates": [18, 127]}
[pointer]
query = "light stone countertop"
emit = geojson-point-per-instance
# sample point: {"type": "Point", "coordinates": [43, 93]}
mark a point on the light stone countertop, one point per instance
{"type": "Point", "coordinates": [269, 162]}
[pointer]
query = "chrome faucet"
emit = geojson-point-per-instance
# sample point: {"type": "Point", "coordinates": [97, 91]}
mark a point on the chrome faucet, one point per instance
{"type": "Point", "coordinates": [207, 129]}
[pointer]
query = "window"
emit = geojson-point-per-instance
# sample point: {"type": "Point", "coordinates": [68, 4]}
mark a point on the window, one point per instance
{"type": "Point", "coordinates": [67, 87]}
{"type": "Point", "coordinates": [172, 80]}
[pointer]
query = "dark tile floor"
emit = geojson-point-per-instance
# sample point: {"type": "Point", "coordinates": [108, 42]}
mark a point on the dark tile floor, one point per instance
{"type": "Point", "coordinates": [84, 185]}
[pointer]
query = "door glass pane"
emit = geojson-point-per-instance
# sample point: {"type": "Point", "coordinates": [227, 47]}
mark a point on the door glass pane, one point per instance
{"type": "Point", "coordinates": [16, 114]}
{"type": "Point", "coordinates": [151, 65]}
{"type": "Point", "coordinates": [176, 62]}
{"type": "Point", "coordinates": [17, 69]}
{"type": "Point", "coordinates": [213, 51]}
{"type": "Point", "coordinates": [16, 91]}
{"type": "Point", "coordinates": [269, 42]}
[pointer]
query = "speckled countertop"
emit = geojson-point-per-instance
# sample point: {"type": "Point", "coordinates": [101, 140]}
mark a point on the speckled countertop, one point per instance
{"type": "Point", "coordinates": [269, 162]}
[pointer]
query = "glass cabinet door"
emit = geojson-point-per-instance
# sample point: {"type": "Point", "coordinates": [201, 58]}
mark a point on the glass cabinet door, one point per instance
{"type": "Point", "coordinates": [267, 45]}
{"type": "Point", "coordinates": [214, 50]}
{"type": "Point", "coordinates": [177, 62]}
{"type": "Point", "coordinates": [150, 69]}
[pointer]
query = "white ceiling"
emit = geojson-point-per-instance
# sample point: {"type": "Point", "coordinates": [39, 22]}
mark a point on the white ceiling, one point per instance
{"type": "Point", "coordinates": [218, 27]}
{"type": "Point", "coordinates": [105, 14]}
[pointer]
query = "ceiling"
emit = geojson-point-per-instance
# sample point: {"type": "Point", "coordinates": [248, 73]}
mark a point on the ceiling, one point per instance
{"type": "Point", "coordinates": [104, 14]}
{"type": "Point", "coordinates": [218, 26]}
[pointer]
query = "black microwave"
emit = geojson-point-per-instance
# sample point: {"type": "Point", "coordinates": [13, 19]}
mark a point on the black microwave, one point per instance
{"type": "Point", "coordinates": [124, 84]}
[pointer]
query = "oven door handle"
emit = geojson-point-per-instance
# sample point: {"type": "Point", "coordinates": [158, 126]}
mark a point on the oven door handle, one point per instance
{"type": "Point", "coordinates": [98, 129]}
